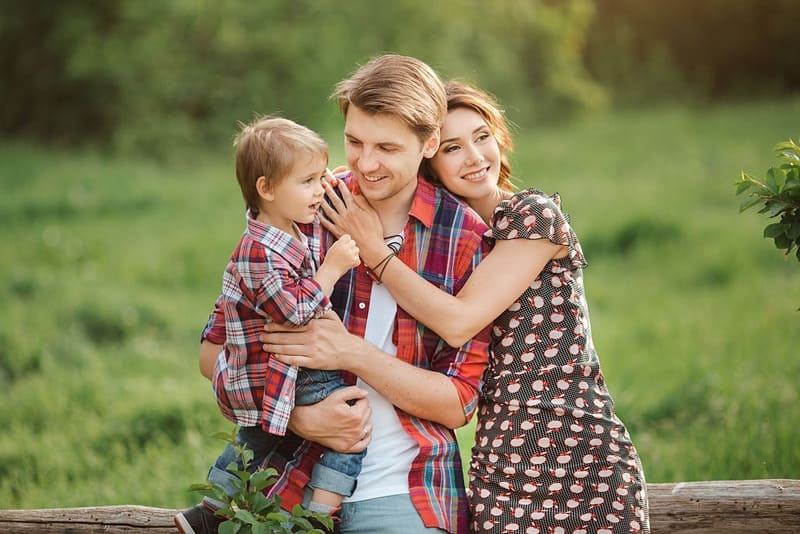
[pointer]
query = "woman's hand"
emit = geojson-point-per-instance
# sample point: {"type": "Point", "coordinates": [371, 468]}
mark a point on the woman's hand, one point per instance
{"type": "Point", "coordinates": [352, 214]}
{"type": "Point", "coordinates": [339, 422]}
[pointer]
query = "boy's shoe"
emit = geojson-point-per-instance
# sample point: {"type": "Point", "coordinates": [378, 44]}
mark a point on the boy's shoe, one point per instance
{"type": "Point", "coordinates": [197, 520]}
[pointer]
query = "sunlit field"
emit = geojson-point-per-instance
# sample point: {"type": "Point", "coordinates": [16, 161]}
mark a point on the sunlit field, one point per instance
{"type": "Point", "coordinates": [111, 266]}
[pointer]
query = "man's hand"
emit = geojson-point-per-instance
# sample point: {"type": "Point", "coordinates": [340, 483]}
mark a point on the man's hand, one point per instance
{"type": "Point", "coordinates": [323, 343]}
{"type": "Point", "coordinates": [334, 423]}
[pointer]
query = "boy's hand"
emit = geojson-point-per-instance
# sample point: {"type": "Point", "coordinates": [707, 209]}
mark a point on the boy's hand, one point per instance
{"type": "Point", "coordinates": [343, 255]}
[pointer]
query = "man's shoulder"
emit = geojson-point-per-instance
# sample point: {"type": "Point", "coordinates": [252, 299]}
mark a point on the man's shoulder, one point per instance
{"type": "Point", "coordinates": [453, 209]}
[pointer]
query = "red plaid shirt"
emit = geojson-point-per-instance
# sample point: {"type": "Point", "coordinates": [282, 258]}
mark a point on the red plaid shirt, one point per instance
{"type": "Point", "coordinates": [268, 278]}
{"type": "Point", "coordinates": [443, 243]}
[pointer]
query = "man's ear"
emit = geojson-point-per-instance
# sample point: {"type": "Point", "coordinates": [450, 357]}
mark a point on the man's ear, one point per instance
{"type": "Point", "coordinates": [431, 145]}
{"type": "Point", "coordinates": [265, 189]}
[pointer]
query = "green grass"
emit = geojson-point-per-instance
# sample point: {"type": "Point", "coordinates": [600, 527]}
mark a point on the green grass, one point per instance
{"type": "Point", "coordinates": [111, 267]}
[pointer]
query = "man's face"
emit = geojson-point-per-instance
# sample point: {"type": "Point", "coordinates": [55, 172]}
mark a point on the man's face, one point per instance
{"type": "Point", "coordinates": [384, 155]}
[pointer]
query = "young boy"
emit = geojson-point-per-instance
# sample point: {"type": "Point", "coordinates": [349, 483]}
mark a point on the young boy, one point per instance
{"type": "Point", "coordinates": [273, 276]}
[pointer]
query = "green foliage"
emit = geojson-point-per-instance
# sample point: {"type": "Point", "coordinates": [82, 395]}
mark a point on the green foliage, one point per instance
{"type": "Point", "coordinates": [249, 511]}
{"type": "Point", "coordinates": [645, 52]}
{"type": "Point", "coordinates": [778, 194]}
{"type": "Point", "coordinates": [159, 77]}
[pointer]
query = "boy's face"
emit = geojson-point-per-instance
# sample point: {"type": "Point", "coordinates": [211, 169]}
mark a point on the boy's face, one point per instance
{"type": "Point", "coordinates": [384, 154]}
{"type": "Point", "coordinates": [298, 196]}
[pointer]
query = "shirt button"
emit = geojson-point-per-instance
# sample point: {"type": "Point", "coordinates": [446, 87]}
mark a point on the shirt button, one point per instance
{"type": "Point", "coordinates": [361, 305]}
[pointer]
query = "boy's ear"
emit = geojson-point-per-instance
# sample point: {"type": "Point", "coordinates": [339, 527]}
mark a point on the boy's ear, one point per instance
{"type": "Point", "coordinates": [265, 189]}
{"type": "Point", "coordinates": [431, 145]}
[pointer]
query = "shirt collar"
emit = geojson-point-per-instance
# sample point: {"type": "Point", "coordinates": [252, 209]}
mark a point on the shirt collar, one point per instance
{"type": "Point", "coordinates": [423, 205]}
{"type": "Point", "coordinates": [277, 240]}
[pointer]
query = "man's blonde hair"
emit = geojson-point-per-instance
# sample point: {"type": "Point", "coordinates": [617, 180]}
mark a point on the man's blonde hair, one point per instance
{"type": "Point", "coordinates": [270, 146]}
{"type": "Point", "coordinates": [400, 86]}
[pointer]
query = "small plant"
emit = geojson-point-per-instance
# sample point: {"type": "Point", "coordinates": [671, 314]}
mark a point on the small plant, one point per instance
{"type": "Point", "coordinates": [779, 196]}
{"type": "Point", "coordinates": [249, 511]}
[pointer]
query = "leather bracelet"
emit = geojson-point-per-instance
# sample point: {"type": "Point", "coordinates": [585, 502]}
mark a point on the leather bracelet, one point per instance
{"type": "Point", "coordinates": [380, 275]}
{"type": "Point", "coordinates": [372, 273]}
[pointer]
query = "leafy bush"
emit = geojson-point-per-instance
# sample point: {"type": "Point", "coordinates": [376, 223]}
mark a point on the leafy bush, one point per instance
{"type": "Point", "coordinates": [779, 196]}
{"type": "Point", "coordinates": [155, 77]}
{"type": "Point", "coordinates": [249, 511]}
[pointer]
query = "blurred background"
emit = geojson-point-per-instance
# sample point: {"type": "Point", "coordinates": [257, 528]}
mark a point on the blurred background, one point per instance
{"type": "Point", "coordinates": [121, 208]}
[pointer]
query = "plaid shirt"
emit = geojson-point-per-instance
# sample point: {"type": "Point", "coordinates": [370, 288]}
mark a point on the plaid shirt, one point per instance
{"type": "Point", "coordinates": [443, 243]}
{"type": "Point", "coordinates": [268, 278]}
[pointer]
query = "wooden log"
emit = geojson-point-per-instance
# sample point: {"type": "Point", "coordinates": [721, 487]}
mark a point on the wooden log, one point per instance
{"type": "Point", "coordinates": [725, 506]}
{"type": "Point", "coordinates": [101, 519]}
{"type": "Point", "coordinates": [716, 507]}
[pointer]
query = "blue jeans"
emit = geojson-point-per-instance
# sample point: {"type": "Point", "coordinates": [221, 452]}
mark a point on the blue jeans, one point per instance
{"type": "Point", "coordinates": [394, 514]}
{"type": "Point", "coordinates": [335, 472]}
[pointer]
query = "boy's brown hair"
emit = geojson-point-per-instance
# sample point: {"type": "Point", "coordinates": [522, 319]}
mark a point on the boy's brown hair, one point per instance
{"type": "Point", "coordinates": [269, 146]}
{"type": "Point", "coordinates": [400, 86]}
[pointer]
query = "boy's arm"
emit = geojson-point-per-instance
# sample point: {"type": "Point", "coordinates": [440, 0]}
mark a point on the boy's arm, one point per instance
{"type": "Point", "coordinates": [341, 257]}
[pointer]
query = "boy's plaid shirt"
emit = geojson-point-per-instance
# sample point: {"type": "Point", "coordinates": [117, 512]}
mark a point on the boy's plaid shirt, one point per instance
{"type": "Point", "coordinates": [269, 278]}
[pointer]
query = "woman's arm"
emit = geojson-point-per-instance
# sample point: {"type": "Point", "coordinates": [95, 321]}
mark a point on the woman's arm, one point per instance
{"type": "Point", "coordinates": [494, 285]}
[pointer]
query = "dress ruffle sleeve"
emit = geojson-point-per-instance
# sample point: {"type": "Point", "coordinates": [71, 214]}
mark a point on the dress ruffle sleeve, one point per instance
{"type": "Point", "coordinates": [532, 214]}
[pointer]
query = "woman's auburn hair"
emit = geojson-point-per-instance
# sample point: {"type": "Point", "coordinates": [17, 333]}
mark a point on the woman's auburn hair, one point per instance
{"type": "Point", "coordinates": [461, 94]}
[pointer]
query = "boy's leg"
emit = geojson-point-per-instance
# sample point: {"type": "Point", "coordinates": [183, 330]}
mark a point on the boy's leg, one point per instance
{"type": "Point", "coordinates": [254, 438]}
{"type": "Point", "coordinates": [335, 474]}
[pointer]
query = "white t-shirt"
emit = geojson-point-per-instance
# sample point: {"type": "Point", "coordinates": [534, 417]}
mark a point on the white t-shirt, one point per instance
{"type": "Point", "coordinates": [387, 463]}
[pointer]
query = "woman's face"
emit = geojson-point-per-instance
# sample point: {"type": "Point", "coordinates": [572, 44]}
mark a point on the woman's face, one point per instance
{"type": "Point", "coordinates": [468, 159]}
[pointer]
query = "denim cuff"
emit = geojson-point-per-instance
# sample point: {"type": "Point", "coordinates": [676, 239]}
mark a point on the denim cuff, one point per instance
{"type": "Point", "coordinates": [323, 477]}
{"type": "Point", "coordinates": [223, 479]}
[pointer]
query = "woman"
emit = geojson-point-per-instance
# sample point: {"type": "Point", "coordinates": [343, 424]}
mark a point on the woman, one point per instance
{"type": "Point", "coordinates": [550, 454]}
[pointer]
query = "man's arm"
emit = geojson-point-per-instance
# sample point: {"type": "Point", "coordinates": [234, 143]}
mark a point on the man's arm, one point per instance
{"type": "Point", "coordinates": [333, 423]}
{"type": "Point", "coordinates": [326, 344]}
{"type": "Point", "coordinates": [208, 357]}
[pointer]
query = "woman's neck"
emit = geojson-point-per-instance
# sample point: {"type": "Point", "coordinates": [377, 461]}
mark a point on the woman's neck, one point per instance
{"type": "Point", "coordinates": [485, 206]}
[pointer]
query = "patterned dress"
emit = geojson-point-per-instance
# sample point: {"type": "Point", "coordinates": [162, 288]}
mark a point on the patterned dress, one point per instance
{"type": "Point", "coordinates": [550, 454]}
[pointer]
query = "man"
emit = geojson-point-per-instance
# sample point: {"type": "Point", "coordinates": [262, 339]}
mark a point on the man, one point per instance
{"type": "Point", "coordinates": [419, 388]}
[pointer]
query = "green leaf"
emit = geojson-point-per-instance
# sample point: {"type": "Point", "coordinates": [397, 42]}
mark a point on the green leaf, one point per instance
{"type": "Point", "coordinates": [776, 207]}
{"type": "Point", "coordinates": [780, 177]}
{"type": "Point", "coordinates": [245, 516]}
{"type": "Point", "coordinates": [794, 230]}
{"type": "Point", "coordinates": [749, 203]}
{"type": "Point", "coordinates": [277, 517]}
{"type": "Point", "coordinates": [260, 503]}
{"type": "Point", "coordinates": [229, 527]}
{"type": "Point", "coordinates": [263, 528]}
{"type": "Point", "coordinates": [262, 479]}
{"type": "Point", "coordinates": [774, 230]}
{"type": "Point", "coordinates": [771, 182]}
{"type": "Point", "coordinates": [783, 242]}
